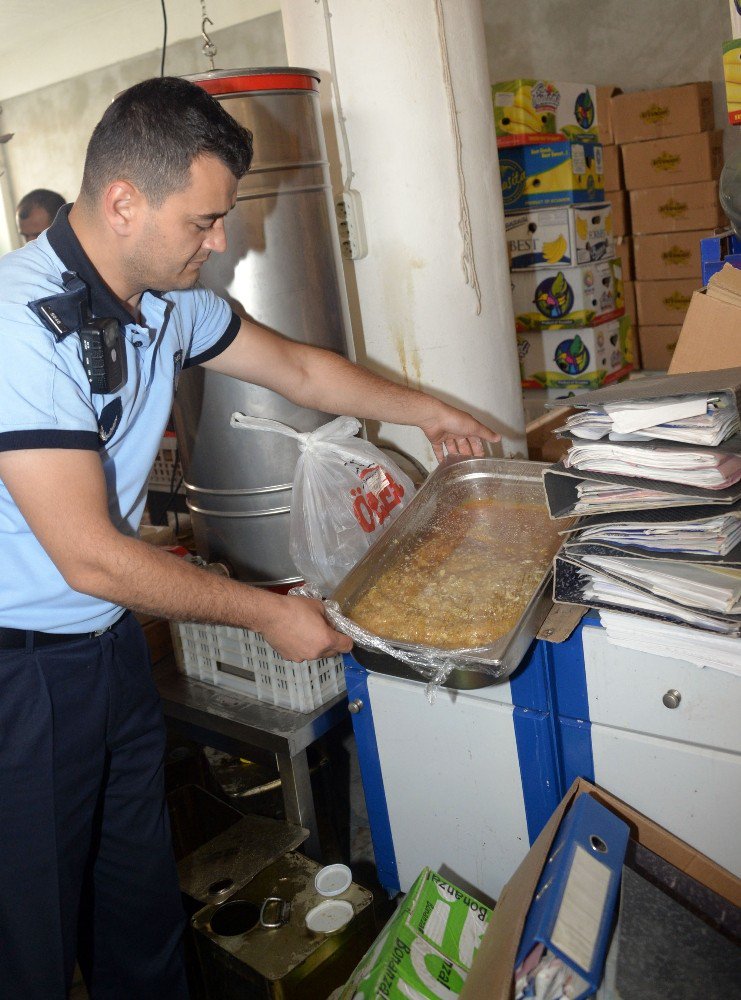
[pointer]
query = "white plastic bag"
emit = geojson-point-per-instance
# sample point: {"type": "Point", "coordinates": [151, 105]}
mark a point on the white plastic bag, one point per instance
{"type": "Point", "coordinates": [346, 492]}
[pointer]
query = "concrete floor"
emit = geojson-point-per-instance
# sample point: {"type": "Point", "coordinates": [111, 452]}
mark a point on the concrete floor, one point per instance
{"type": "Point", "coordinates": [341, 810]}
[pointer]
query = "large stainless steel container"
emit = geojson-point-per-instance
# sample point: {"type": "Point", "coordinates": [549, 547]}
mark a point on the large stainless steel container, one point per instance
{"type": "Point", "coordinates": [280, 268]}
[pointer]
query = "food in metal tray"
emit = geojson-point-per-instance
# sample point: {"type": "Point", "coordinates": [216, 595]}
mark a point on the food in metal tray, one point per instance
{"type": "Point", "coordinates": [465, 580]}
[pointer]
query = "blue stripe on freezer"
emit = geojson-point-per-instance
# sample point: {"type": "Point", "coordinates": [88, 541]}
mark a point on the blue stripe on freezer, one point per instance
{"type": "Point", "coordinates": [571, 705]}
{"type": "Point", "coordinates": [356, 678]}
{"type": "Point", "coordinates": [529, 683]}
{"type": "Point", "coordinates": [576, 750]}
{"type": "Point", "coordinates": [536, 753]}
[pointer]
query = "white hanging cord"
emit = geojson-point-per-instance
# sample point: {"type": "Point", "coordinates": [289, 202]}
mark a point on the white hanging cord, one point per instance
{"type": "Point", "coordinates": [468, 259]}
{"type": "Point", "coordinates": [336, 91]}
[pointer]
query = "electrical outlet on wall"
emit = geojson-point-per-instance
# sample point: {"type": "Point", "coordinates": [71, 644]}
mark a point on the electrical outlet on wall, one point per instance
{"type": "Point", "coordinates": [349, 210]}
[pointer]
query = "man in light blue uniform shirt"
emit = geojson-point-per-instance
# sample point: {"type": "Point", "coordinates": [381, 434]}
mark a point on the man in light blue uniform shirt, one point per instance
{"type": "Point", "coordinates": [86, 866]}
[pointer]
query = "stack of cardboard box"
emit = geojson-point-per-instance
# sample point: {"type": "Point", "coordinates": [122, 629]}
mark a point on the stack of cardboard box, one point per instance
{"type": "Point", "coordinates": [566, 281]}
{"type": "Point", "coordinates": [617, 195]}
{"type": "Point", "coordinates": [671, 159]}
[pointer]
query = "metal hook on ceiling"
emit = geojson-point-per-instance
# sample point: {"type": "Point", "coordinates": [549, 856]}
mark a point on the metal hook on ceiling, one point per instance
{"type": "Point", "coordinates": [209, 49]}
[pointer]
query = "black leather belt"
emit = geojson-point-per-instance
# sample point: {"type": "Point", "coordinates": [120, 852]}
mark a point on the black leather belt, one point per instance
{"type": "Point", "coordinates": [19, 638]}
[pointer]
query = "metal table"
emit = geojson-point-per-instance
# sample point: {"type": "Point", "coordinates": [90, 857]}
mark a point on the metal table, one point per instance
{"type": "Point", "coordinates": [227, 721]}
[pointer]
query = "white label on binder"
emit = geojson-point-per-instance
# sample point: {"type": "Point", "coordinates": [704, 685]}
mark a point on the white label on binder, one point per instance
{"type": "Point", "coordinates": [580, 915]}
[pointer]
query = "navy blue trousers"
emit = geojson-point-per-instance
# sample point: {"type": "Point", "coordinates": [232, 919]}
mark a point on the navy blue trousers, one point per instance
{"type": "Point", "coordinates": [86, 864]}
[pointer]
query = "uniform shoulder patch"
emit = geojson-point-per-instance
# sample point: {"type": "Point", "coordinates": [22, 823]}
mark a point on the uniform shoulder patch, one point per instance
{"type": "Point", "coordinates": [177, 364]}
{"type": "Point", "coordinates": [109, 419]}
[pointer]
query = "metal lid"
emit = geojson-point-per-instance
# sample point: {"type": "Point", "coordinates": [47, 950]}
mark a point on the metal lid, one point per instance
{"type": "Point", "coordinates": [238, 81]}
{"type": "Point", "coordinates": [329, 916]}
{"type": "Point", "coordinates": [332, 880]}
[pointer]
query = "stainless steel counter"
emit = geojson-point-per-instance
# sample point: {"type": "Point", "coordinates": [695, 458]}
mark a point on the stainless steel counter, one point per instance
{"type": "Point", "coordinates": [229, 722]}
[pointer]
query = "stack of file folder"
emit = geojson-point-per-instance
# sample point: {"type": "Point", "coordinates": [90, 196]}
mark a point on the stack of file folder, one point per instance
{"type": "Point", "coordinates": [654, 473]}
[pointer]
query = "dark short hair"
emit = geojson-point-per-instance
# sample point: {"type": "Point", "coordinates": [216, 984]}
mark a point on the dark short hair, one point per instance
{"type": "Point", "coordinates": [153, 131]}
{"type": "Point", "coordinates": [50, 201]}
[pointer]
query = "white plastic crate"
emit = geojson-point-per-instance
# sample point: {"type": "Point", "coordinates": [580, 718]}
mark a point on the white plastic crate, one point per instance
{"type": "Point", "coordinates": [241, 660]}
{"type": "Point", "coordinates": [167, 473]}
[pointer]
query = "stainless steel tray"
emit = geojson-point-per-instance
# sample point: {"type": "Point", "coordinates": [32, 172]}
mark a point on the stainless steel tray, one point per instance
{"type": "Point", "coordinates": [467, 478]}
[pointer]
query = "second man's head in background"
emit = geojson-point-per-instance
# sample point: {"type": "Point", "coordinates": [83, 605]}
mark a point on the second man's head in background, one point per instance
{"type": "Point", "coordinates": [36, 211]}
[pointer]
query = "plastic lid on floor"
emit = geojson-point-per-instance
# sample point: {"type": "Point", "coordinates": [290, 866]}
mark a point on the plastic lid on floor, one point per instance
{"type": "Point", "coordinates": [329, 916]}
{"type": "Point", "coordinates": [333, 880]}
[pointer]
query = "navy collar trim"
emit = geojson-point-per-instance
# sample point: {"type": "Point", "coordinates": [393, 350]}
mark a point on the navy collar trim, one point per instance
{"type": "Point", "coordinates": [66, 246]}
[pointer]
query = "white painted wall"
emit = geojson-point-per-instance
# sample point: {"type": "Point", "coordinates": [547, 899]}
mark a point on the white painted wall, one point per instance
{"type": "Point", "coordinates": [436, 311]}
{"type": "Point", "coordinates": [73, 37]}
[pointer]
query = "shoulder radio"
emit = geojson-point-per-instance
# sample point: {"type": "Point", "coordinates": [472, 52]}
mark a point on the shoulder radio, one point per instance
{"type": "Point", "coordinates": [101, 338]}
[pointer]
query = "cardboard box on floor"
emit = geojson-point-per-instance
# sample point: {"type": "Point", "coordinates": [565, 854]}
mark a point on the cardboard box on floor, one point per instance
{"type": "Point", "coordinates": [612, 169]}
{"type": "Point", "coordinates": [710, 337]}
{"type": "Point", "coordinates": [683, 159]}
{"type": "Point", "coordinates": [629, 298]}
{"type": "Point", "coordinates": [620, 213]}
{"type": "Point", "coordinates": [664, 303]}
{"type": "Point", "coordinates": [604, 113]}
{"type": "Point", "coordinates": [491, 976]}
{"type": "Point", "coordinates": [657, 345]}
{"type": "Point", "coordinates": [676, 208]}
{"type": "Point", "coordinates": [655, 114]}
{"type": "Point", "coordinates": [624, 252]}
{"type": "Point", "coordinates": [659, 256]}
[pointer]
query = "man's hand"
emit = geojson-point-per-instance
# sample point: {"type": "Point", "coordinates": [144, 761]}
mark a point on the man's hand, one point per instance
{"type": "Point", "coordinates": [455, 432]}
{"type": "Point", "coordinates": [298, 631]}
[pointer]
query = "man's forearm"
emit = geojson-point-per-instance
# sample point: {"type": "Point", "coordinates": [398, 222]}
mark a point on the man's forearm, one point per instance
{"type": "Point", "coordinates": [143, 578]}
{"type": "Point", "coordinates": [336, 385]}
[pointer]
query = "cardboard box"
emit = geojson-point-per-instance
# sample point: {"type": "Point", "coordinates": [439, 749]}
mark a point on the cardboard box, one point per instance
{"type": "Point", "coordinates": [564, 298]}
{"type": "Point", "coordinates": [664, 303]}
{"type": "Point", "coordinates": [544, 237]}
{"type": "Point", "coordinates": [549, 174]}
{"type": "Point", "coordinates": [621, 224]}
{"type": "Point", "coordinates": [676, 208]}
{"type": "Point", "coordinates": [526, 109]}
{"type": "Point", "coordinates": [735, 10]}
{"type": "Point", "coordinates": [491, 975]}
{"type": "Point", "coordinates": [613, 168]}
{"type": "Point", "coordinates": [657, 345]}
{"type": "Point", "coordinates": [627, 340]}
{"type": "Point", "coordinates": [570, 359]}
{"type": "Point", "coordinates": [624, 253]}
{"type": "Point", "coordinates": [657, 114]}
{"type": "Point", "coordinates": [604, 113]}
{"type": "Point", "coordinates": [427, 945]}
{"type": "Point", "coordinates": [668, 255]}
{"type": "Point", "coordinates": [732, 76]}
{"type": "Point", "coordinates": [710, 338]}
{"type": "Point", "coordinates": [534, 402]}
{"type": "Point", "coordinates": [629, 330]}
{"type": "Point", "coordinates": [684, 159]}
{"type": "Point", "coordinates": [629, 297]}
{"type": "Point", "coordinates": [542, 444]}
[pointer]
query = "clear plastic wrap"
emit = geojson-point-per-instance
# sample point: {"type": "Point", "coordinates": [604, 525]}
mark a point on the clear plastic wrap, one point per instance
{"type": "Point", "coordinates": [433, 665]}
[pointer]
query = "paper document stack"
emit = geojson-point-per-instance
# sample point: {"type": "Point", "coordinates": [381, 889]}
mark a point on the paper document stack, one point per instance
{"type": "Point", "coordinates": [655, 468]}
{"type": "Point", "coordinates": [705, 649]}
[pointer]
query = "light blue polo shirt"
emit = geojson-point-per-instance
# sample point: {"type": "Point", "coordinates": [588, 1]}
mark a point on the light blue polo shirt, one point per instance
{"type": "Point", "coordinates": [46, 402]}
